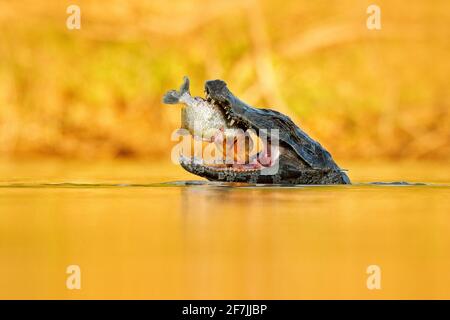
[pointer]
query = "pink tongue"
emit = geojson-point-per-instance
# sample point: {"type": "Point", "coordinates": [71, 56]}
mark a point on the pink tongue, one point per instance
{"type": "Point", "coordinates": [268, 156]}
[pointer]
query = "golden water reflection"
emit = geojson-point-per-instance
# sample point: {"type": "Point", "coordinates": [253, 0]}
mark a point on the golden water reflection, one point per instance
{"type": "Point", "coordinates": [210, 241]}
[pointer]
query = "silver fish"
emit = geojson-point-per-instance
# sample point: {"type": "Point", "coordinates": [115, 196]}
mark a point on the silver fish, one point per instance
{"type": "Point", "coordinates": [202, 118]}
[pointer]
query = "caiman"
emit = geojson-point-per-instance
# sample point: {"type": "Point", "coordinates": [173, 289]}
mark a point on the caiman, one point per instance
{"type": "Point", "coordinates": [296, 158]}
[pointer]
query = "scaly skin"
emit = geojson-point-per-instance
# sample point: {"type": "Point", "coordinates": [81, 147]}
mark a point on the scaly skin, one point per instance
{"type": "Point", "coordinates": [302, 160]}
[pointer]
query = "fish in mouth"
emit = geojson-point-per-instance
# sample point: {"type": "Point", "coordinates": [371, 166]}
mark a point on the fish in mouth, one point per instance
{"type": "Point", "coordinates": [284, 154]}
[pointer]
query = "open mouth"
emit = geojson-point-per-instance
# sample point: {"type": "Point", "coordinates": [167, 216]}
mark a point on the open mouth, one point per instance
{"type": "Point", "coordinates": [248, 155]}
{"type": "Point", "coordinates": [230, 117]}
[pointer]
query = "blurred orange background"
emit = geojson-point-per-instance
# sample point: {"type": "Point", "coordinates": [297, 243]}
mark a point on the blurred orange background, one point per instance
{"type": "Point", "coordinates": [96, 92]}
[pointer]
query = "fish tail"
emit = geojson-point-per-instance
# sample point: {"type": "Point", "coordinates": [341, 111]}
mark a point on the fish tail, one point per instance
{"type": "Point", "coordinates": [173, 96]}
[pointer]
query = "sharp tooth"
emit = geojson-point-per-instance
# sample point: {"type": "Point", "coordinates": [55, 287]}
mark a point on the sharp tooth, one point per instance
{"type": "Point", "coordinates": [231, 122]}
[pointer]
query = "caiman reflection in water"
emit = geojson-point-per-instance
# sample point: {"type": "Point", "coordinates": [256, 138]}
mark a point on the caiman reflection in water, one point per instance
{"type": "Point", "coordinates": [134, 237]}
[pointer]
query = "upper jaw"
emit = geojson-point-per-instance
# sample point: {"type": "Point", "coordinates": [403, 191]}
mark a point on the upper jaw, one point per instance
{"type": "Point", "coordinates": [215, 86]}
{"type": "Point", "coordinates": [217, 90]}
{"type": "Point", "coordinates": [215, 97]}
{"type": "Point", "coordinates": [225, 105]}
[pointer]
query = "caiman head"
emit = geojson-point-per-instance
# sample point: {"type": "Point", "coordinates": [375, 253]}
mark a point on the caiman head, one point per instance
{"type": "Point", "coordinates": [300, 159]}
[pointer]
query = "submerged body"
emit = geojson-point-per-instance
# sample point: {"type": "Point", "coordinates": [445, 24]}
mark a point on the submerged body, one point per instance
{"type": "Point", "coordinates": [289, 157]}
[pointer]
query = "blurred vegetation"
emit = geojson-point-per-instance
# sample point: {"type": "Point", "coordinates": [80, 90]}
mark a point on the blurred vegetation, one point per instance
{"type": "Point", "coordinates": [96, 92]}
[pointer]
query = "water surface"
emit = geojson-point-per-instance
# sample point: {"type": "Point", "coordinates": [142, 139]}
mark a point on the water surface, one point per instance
{"type": "Point", "coordinates": [146, 230]}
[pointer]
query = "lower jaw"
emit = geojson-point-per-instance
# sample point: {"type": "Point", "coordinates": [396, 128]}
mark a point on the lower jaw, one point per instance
{"type": "Point", "coordinates": [234, 167]}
